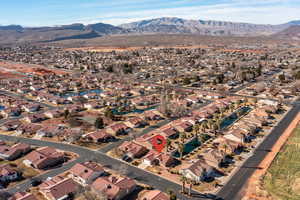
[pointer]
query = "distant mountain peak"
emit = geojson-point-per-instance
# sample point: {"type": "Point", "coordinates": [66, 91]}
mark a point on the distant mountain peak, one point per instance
{"type": "Point", "coordinates": [11, 28]}
{"type": "Point", "coordinates": [163, 25]}
{"type": "Point", "coordinates": [292, 32]}
{"type": "Point", "coordinates": [200, 27]}
{"type": "Point", "coordinates": [294, 22]}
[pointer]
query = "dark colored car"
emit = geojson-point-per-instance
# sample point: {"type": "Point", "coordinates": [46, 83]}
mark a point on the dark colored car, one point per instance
{"type": "Point", "coordinates": [35, 182]}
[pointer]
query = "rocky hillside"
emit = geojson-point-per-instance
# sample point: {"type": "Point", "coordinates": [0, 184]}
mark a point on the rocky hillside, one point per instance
{"type": "Point", "coordinates": [202, 27]}
{"type": "Point", "coordinates": [293, 32]}
{"type": "Point", "coordinates": [16, 34]}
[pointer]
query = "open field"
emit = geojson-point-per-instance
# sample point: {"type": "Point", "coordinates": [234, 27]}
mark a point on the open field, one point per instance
{"type": "Point", "coordinates": [120, 42]}
{"type": "Point", "coordinates": [282, 180]}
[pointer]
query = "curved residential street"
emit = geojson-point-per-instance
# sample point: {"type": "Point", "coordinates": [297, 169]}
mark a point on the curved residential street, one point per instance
{"type": "Point", "coordinates": [232, 190]}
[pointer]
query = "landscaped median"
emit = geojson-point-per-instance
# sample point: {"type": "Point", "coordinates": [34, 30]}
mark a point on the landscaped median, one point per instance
{"type": "Point", "coordinates": [278, 174]}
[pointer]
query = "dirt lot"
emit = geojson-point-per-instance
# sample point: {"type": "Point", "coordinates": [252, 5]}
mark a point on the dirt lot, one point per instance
{"type": "Point", "coordinates": [12, 67]}
{"type": "Point", "coordinates": [6, 75]}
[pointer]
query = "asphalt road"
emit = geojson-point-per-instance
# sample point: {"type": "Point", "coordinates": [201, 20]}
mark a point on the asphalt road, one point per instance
{"type": "Point", "coordinates": [233, 189]}
{"type": "Point", "coordinates": [86, 154]}
{"type": "Point", "coordinates": [230, 191]}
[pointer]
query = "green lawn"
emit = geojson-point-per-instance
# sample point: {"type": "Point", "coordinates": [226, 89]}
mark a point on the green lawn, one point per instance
{"type": "Point", "coordinates": [282, 180]}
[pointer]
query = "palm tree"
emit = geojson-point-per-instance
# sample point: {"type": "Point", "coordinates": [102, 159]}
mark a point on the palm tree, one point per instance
{"type": "Point", "coordinates": [215, 128]}
{"type": "Point", "coordinates": [182, 136]}
{"type": "Point", "coordinates": [245, 101]}
{"type": "Point", "coordinates": [196, 129]}
{"type": "Point", "coordinates": [225, 148]}
{"type": "Point", "coordinates": [203, 126]}
{"type": "Point", "coordinates": [181, 149]}
{"type": "Point", "coordinates": [209, 123]}
{"type": "Point", "coordinates": [190, 187]}
{"type": "Point", "coordinates": [218, 123]}
{"type": "Point", "coordinates": [231, 107]}
{"type": "Point", "coordinates": [168, 144]}
{"type": "Point", "coordinates": [183, 179]}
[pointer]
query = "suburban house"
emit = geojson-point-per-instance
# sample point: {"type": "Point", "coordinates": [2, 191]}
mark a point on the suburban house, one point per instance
{"type": "Point", "coordinates": [155, 158]}
{"type": "Point", "coordinates": [99, 136]}
{"type": "Point", "coordinates": [11, 125]}
{"type": "Point", "coordinates": [153, 115]}
{"type": "Point", "coordinates": [132, 149]}
{"type": "Point", "coordinates": [169, 131]}
{"type": "Point", "coordinates": [13, 152]}
{"type": "Point", "coordinates": [154, 195]}
{"type": "Point", "coordinates": [198, 171]}
{"type": "Point", "coordinates": [237, 135]}
{"type": "Point", "coordinates": [92, 105]}
{"type": "Point", "coordinates": [58, 188]}
{"type": "Point", "coordinates": [23, 196]}
{"type": "Point", "coordinates": [28, 128]}
{"type": "Point", "coordinates": [8, 174]}
{"type": "Point", "coordinates": [226, 145]}
{"type": "Point", "coordinates": [85, 173]}
{"type": "Point", "coordinates": [183, 126]}
{"type": "Point", "coordinates": [213, 157]}
{"type": "Point", "coordinates": [34, 118]}
{"type": "Point", "coordinates": [44, 157]}
{"type": "Point", "coordinates": [115, 188]}
{"type": "Point", "coordinates": [54, 113]}
{"type": "Point", "coordinates": [31, 107]}
{"type": "Point", "coordinates": [136, 122]}
{"type": "Point", "coordinates": [118, 129]}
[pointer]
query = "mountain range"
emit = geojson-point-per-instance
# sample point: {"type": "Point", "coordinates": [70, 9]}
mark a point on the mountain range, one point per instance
{"type": "Point", "coordinates": [165, 25]}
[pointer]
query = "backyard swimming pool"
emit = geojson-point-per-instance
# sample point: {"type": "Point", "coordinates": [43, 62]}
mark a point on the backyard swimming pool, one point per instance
{"type": "Point", "coordinates": [188, 147]}
{"type": "Point", "coordinates": [74, 94]}
{"type": "Point", "coordinates": [227, 121]}
{"type": "Point", "coordinates": [116, 112]}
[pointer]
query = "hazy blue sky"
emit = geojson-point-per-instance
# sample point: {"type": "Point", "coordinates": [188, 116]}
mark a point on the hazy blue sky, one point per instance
{"type": "Point", "coordinates": [57, 12]}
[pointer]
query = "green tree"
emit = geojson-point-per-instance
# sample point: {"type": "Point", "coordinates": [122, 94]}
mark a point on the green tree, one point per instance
{"type": "Point", "coordinates": [127, 68]}
{"type": "Point", "coordinates": [66, 114]}
{"type": "Point", "coordinates": [297, 75]}
{"type": "Point", "coordinates": [99, 123]}
{"type": "Point", "coordinates": [281, 77]}
{"type": "Point", "coordinates": [109, 113]}
{"type": "Point", "coordinates": [186, 81]}
{"type": "Point", "coordinates": [171, 194]}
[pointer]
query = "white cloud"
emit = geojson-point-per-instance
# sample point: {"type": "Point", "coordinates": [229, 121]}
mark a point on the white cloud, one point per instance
{"type": "Point", "coordinates": [236, 10]}
{"type": "Point", "coordinates": [123, 11]}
